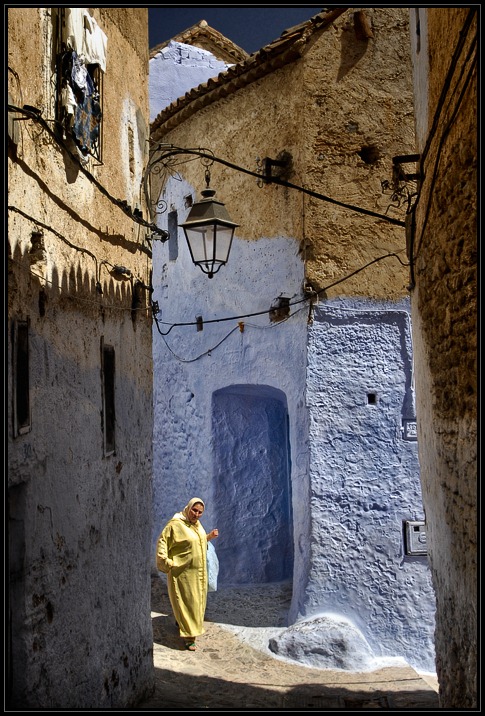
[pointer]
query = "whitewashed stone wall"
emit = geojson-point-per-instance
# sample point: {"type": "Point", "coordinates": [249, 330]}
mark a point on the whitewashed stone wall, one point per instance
{"type": "Point", "coordinates": [354, 480]}
{"type": "Point", "coordinates": [79, 516]}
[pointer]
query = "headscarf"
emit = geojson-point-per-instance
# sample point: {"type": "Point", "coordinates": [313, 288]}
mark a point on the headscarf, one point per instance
{"type": "Point", "coordinates": [187, 508]}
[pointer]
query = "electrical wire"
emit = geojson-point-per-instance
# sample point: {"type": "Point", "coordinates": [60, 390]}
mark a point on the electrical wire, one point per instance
{"type": "Point", "coordinates": [240, 325]}
{"type": "Point", "coordinates": [272, 325]}
{"type": "Point", "coordinates": [454, 63]}
{"type": "Point", "coordinates": [37, 222]}
{"type": "Point", "coordinates": [214, 320]}
{"type": "Point", "coordinates": [444, 136]}
{"type": "Point", "coordinates": [207, 154]}
{"type": "Point", "coordinates": [76, 297]}
{"type": "Point", "coordinates": [449, 76]}
{"type": "Point", "coordinates": [98, 264]}
{"type": "Point", "coordinates": [276, 324]}
{"type": "Point", "coordinates": [123, 205]}
{"type": "Point", "coordinates": [294, 303]}
{"type": "Point", "coordinates": [206, 353]}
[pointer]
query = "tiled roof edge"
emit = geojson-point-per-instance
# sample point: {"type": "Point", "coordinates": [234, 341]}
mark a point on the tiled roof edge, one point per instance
{"type": "Point", "coordinates": [201, 28]}
{"type": "Point", "coordinates": [285, 49]}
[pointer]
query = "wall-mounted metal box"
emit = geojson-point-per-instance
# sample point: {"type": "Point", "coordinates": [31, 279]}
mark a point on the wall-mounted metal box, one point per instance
{"type": "Point", "coordinates": [409, 430]}
{"type": "Point", "coordinates": [415, 537]}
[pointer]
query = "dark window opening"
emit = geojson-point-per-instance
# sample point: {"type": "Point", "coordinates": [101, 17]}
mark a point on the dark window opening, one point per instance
{"type": "Point", "coordinates": [108, 384]}
{"type": "Point", "coordinates": [131, 149]}
{"type": "Point", "coordinates": [371, 398]}
{"type": "Point", "coordinates": [137, 299]}
{"type": "Point", "coordinates": [21, 379]}
{"type": "Point", "coordinates": [173, 249]}
{"type": "Point", "coordinates": [42, 303]}
{"type": "Point", "coordinates": [418, 31]}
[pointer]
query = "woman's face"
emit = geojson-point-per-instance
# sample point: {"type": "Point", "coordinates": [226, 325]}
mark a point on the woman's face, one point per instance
{"type": "Point", "coordinates": [195, 512]}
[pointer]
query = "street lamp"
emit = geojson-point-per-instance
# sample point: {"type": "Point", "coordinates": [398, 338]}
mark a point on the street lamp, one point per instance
{"type": "Point", "coordinates": [208, 228]}
{"type": "Point", "coordinates": [209, 231]}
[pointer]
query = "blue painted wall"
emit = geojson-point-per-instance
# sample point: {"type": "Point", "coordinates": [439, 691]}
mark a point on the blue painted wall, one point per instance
{"type": "Point", "coordinates": [342, 479]}
{"type": "Point", "coordinates": [364, 475]}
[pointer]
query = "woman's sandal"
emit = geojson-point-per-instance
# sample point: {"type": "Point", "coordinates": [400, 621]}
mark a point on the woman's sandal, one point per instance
{"type": "Point", "coordinates": [190, 645]}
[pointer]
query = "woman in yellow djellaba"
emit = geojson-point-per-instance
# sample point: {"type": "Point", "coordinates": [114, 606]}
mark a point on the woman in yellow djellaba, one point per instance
{"type": "Point", "coordinates": [182, 555]}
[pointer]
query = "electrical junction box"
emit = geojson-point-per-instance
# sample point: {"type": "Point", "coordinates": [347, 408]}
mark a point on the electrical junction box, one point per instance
{"type": "Point", "coordinates": [415, 537]}
{"type": "Point", "coordinates": [409, 430]}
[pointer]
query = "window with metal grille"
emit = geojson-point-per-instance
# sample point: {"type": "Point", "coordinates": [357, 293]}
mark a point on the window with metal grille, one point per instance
{"type": "Point", "coordinates": [81, 61]}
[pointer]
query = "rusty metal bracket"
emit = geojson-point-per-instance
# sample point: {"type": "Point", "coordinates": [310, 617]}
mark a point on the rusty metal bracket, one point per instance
{"type": "Point", "coordinates": [397, 172]}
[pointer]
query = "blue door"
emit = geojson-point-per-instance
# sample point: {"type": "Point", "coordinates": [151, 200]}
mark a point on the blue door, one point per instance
{"type": "Point", "coordinates": [252, 496]}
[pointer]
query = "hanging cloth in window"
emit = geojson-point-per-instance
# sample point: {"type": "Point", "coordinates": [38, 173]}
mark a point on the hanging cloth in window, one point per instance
{"type": "Point", "coordinates": [69, 103]}
{"type": "Point", "coordinates": [81, 78]}
{"type": "Point", "coordinates": [82, 34]}
{"type": "Point", "coordinates": [73, 31]}
{"type": "Point", "coordinates": [95, 42]}
{"type": "Point", "coordinates": [86, 123]}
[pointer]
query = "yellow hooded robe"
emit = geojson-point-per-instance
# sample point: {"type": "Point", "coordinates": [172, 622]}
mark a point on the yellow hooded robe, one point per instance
{"type": "Point", "coordinates": [182, 555]}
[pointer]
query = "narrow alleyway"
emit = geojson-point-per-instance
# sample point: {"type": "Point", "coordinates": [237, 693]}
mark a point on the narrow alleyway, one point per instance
{"type": "Point", "coordinates": [233, 669]}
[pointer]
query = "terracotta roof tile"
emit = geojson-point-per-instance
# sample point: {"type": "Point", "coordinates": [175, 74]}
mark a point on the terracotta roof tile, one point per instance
{"type": "Point", "coordinates": [202, 35]}
{"type": "Point", "coordinates": [286, 48]}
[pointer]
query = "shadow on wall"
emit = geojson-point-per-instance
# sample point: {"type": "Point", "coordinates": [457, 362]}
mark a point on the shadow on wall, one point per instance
{"type": "Point", "coordinates": [354, 41]}
{"type": "Point", "coordinates": [252, 488]}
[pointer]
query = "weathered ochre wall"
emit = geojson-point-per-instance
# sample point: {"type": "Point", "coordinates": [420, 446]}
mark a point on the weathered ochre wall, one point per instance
{"type": "Point", "coordinates": [30, 30]}
{"type": "Point", "coordinates": [444, 305]}
{"type": "Point", "coordinates": [79, 516]}
{"type": "Point", "coordinates": [345, 96]}
{"type": "Point", "coordinates": [257, 121]}
{"type": "Point", "coordinates": [358, 116]}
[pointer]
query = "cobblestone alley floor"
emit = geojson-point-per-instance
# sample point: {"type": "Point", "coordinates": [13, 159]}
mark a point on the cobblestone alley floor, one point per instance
{"type": "Point", "coordinates": [233, 669]}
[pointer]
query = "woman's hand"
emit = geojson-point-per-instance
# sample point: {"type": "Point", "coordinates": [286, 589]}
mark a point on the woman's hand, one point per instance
{"type": "Point", "coordinates": [212, 534]}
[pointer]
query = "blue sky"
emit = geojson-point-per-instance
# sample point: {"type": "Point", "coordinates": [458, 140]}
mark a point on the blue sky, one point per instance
{"type": "Point", "coordinates": [248, 26]}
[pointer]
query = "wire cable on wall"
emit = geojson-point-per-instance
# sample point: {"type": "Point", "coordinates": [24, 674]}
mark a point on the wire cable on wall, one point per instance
{"type": "Point", "coordinates": [75, 297]}
{"type": "Point", "coordinates": [444, 136]}
{"type": "Point", "coordinates": [294, 303]}
{"type": "Point", "coordinates": [169, 150]}
{"type": "Point", "coordinates": [258, 313]}
{"type": "Point", "coordinates": [123, 205]}
{"type": "Point", "coordinates": [60, 236]}
{"type": "Point", "coordinates": [206, 353]}
{"type": "Point", "coordinates": [416, 242]}
{"type": "Point", "coordinates": [150, 288]}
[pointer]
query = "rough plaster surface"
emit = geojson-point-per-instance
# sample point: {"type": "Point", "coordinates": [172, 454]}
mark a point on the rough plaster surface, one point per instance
{"type": "Point", "coordinates": [366, 475]}
{"type": "Point", "coordinates": [353, 479]}
{"type": "Point", "coordinates": [254, 423]}
{"type": "Point", "coordinates": [325, 642]}
{"type": "Point", "coordinates": [79, 520]}
{"type": "Point", "coordinates": [189, 66]}
{"type": "Point", "coordinates": [444, 304]}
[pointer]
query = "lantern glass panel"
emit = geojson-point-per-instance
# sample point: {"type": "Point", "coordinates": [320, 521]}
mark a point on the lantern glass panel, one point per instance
{"type": "Point", "coordinates": [202, 244]}
{"type": "Point", "coordinates": [224, 240]}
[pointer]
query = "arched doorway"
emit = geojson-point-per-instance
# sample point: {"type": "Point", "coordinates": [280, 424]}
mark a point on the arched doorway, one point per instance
{"type": "Point", "coordinates": [252, 489]}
